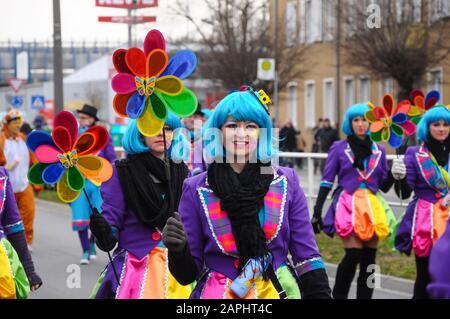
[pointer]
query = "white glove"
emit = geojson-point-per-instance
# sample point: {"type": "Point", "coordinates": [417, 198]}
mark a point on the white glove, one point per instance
{"type": "Point", "coordinates": [398, 169]}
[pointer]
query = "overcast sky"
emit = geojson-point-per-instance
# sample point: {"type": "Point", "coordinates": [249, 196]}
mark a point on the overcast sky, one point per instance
{"type": "Point", "coordinates": [31, 20]}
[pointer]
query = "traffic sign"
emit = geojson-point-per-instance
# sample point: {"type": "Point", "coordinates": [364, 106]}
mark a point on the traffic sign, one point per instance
{"type": "Point", "coordinates": [127, 19]}
{"type": "Point", "coordinates": [16, 101]}
{"type": "Point", "coordinates": [266, 69]}
{"type": "Point", "coordinates": [16, 84]}
{"type": "Point", "coordinates": [37, 102]}
{"type": "Point", "coordinates": [127, 4]}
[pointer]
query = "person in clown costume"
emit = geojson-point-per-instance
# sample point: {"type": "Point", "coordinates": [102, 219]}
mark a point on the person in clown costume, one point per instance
{"type": "Point", "coordinates": [358, 213]}
{"type": "Point", "coordinates": [424, 171]}
{"type": "Point", "coordinates": [17, 273]}
{"type": "Point", "coordinates": [136, 206]}
{"type": "Point", "coordinates": [87, 117]}
{"type": "Point", "coordinates": [239, 220]}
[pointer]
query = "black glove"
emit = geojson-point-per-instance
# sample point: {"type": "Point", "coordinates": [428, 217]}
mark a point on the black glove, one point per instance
{"type": "Point", "coordinates": [19, 243]}
{"type": "Point", "coordinates": [316, 220]}
{"type": "Point", "coordinates": [102, 231]}
{"type": "Point", "coordinates": [174, 237]}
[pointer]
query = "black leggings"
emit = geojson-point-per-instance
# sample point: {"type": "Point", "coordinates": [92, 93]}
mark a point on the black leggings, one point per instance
{"type": "Point", "coordinates": [422, 278]}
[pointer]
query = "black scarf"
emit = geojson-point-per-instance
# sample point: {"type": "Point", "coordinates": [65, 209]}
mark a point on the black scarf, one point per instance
{"type": "Point", "coordinates": [361, 149]}
{"type": "Point", "coordinates": [142, 195]}
{"type": "Point", "coordinates": [439, 150]}
{"type": "Point", "coordinates": [242, 197]}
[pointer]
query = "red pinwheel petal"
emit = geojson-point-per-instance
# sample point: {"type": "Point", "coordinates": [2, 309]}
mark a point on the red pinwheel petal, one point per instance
{"type": "Point", "coordinates": [119, 61]}
{"type": "Point", "coordinates": [379, 113]}
{"type": "Point", "coordinates": [62, 139]}
{"type": "Point", "coordinates": [123, 83]}
{"type": "Point", "coordinates": [156, 62]}
{"type": "Point", "coordinates": [154, 40]}
{"type": "Point", "coordinates": [403, 107]}
{"type": "Point", "coordinates": [432, 99]}
{"type": "Point", "coordinates": [101, 139]}
{"type": "Point", "coordinates": [47, 154]}
{"type": "Point", "coordinates": [120, 104]}
{"type": "Point", "coordinates": [408, 127]}
{"type": "Point", "coordinates": [135, 59]}
{"type": "Point", "coordinates": [388, 104]}
{"type": "Point", "coordinates": [67, 120]}
{"type": "Point", "coordinates": [414, 94]}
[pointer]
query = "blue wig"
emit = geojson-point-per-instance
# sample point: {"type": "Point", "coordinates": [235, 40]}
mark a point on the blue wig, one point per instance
{"type": "Point", "coordinates": [133, 140]}
{"type": "Point", "coordinates": [352, 112]}
{"type": "Point", "coordinates": [435, 114]}
{"type": "Point", "coordinates": [242, 106]}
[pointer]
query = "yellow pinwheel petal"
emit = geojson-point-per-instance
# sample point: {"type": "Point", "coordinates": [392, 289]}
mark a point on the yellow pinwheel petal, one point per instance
{"type": "Point", "coordinates": [148, 124]}
{"type": "Point", "coordinates": [64, 192]}
{"type": "Point", "coordinates": [170, 85]}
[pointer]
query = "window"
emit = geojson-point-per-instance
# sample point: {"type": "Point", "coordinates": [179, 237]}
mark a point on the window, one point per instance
{"type": "Point", "coordinates": [308, 21]}
{"type": "Point", "coordinates": [364, 89]}
{"type": "Point", "coordinates": [349, 91]}
{"type": "Point", "coordinates": [310, 104]}
{"type": "Point", "coordinates": [439, 9]}
{"type": "Point", "coordinates": [328, 99]}
{"type": "Point", "coordinates": [386, 87]}
{"type": "Point", "coordinates": [291, 23]}
{"type": "Point", "coordinates": [292, 102]}
{"type": "Point", "coordinates": [329, 20]}
{"type": "Point", "coordinates": [409, 10]}
{"type": "Point", "coordinates": [435, 80]}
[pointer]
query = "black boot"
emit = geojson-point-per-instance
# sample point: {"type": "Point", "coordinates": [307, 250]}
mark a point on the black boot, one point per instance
{"type": "Point", "coordinates": [364, 288]}
{"type": "Point", "coordinates": [422, 278]}
{"type": "Point", "coordinates": [345, 272]}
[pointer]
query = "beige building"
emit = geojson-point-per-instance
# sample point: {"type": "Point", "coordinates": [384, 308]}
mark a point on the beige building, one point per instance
{"type": "Point", "coordinates": [312, 23]}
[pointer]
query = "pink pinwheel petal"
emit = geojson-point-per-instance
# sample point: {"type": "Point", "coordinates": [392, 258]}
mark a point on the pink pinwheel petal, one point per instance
{"type": "Point", "coordinates": [154, 40]}
{"type": "Point", "coordinates": [403, 107]}
{"type": "Point", "coordinates": [408, 127]}
{"type": "Point", "coordinates": [67, 119]}
{"type": "Point", "coordinates": [47, 154]}
{"type": "Point", "coordinates": [388, 104]}
{"type": "Point", "coordinates": [119, 61]}
{"type": "Point", "coordinates": [135, 59]}
{"type": "Point", "coordinates": [123, 83]}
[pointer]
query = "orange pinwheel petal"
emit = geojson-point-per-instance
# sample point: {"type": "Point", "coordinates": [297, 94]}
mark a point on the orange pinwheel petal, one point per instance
{"type": "Point", "coordinates": [376, 126]}
{"type": "Point", "coordinates": [156, 62]}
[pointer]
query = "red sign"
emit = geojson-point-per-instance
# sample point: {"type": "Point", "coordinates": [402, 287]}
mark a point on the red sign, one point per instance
{"type": "Point", "coordinates": [127, 4]}
{"type": "Point", "coordinates": [16, 84]}
{"type": "Point", "coordinates": [127, 19]}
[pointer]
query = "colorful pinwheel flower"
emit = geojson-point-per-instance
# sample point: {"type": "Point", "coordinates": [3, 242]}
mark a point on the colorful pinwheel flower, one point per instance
{"type": "Point", "coordinates": [389, 125]}
{"type": "Point", "coordinates": [67, 159]}
{"type": "Point", "coordinates": [148, 85]}
{"type": "Point", "coordinates": [421, 104]}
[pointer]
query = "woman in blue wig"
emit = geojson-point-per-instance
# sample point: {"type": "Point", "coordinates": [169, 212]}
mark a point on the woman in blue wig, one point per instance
{"type": "Point", "coordinates": [424, 171]}
{"type": "Point", "coordinates": [242, 217]}
{"type": "Point", "coordinates": [136, 205]}
{"type": "Point", "coordinates": [358, 213]}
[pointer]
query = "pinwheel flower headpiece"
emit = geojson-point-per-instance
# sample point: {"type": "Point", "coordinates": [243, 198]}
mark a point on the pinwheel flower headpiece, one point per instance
{"type": "Point", "coordinates": [389, 124]}
{"type": "Point", "coordinates": [421, 104]}
{"type": "Point", "coordinates": [67, 159]}
{"type": "Point", "coordinates": [149, 85]}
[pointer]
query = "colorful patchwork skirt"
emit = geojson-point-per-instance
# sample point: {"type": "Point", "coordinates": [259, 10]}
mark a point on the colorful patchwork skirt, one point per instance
{"type": "Point", "coordinates": [13, 279]}
{"type": "Point", "coordinates": [421, 226]}
{"type": "Point", "coordinates": [362, 213]}
{"type": "Point", "coordinates": [146, 278]}
{"type": "Point", "coordinates": [214, 285]}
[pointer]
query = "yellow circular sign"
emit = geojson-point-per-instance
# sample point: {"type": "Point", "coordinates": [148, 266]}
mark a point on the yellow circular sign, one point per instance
{"type": "Point", "coordinates": [266, 65]}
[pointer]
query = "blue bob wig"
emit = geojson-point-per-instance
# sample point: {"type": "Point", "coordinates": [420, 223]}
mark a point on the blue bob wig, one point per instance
{"type": "Point", "coordinates": [435, 114]}
{"type": "Point", "coordinates": [133, 140]}
{"type": "Point", "coordinates": [352, 112]}
{"type": "Point", "coordinates": [242, 106]}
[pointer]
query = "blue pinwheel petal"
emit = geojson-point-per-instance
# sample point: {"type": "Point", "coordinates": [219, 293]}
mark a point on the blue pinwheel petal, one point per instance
{"type": "Point", "coordinates": [136, 105]}
{"type": "Point", "coordinates": [38, 138]}
{"type": "Point", "coordinates": [395, 141]}
{"type": "Point", "coordinates": [53, 173]}
{"type": "Point", "coordinates": [399, 118]}
{"type": "Point", "coordinates": [181, 65]}
{"type": "Point", "coordinates": [432, 95]}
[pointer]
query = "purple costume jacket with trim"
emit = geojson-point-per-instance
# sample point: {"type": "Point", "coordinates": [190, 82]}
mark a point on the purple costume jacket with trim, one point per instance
{"type": "Point", "coordinates": [108, 151]}
{"type": "Point", "coordinates": [285, 222]}
{"type": "Point", "coordinates": [10, 220]}
{"type": "Point", "coordinates": [340, 162]}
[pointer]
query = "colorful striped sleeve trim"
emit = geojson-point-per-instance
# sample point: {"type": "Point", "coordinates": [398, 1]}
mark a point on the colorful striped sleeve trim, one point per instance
{"type": "Point", "coordinates": [14, 228]}
{"type": "Point", "coordinates": [309, 265]}
{"type": "Point", "coordinates": [326, 184]}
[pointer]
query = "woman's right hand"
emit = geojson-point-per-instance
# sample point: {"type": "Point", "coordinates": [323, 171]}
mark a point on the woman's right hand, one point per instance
{"type": "Point", "coordinates": [398, 169]}
{"type": "Point", "coordinates": [174, 236]}
{"type": "Point", "coordinates": [316, 221]}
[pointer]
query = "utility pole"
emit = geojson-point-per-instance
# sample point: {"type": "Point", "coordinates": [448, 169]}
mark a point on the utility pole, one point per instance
{"type": "Point", "coordinates": [57, 59]}
{"type": "Point", "coordinates": [275, 89]}
{"type": "Point", "coordinates": [130, 39]}
{"type": "Point", "coordinates": [338, 64]}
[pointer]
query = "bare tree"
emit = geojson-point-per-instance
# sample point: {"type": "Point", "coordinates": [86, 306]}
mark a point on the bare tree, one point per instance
{"type": "Point", "coordinates": [403, 44]}
{"type": "Point", "coordinates": [234, 36]}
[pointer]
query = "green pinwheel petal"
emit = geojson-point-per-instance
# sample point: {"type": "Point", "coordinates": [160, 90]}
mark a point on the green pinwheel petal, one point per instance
{"type": "Point", "coordinates": [183, 104]}
{"type": "Point", "coordinates": [376, 137]}
{"type": "Point", "coordinates": [75, 179]}
{"type": "Point", "coordinates": [158, 106]}
{"type": "Point", "coordinates": [416, 120]}
{"type": "Point", "coordinates": [398, 130]}
{"type": "Point", "coordinates": [35, 173]}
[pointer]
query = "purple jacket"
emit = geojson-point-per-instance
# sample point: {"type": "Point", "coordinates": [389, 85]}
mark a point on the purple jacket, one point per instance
{"type": "Point", "coordinates": [340, 162]}
{"type": "Point", "coordinates": [10, 221]}
{"type": "Point", "coordinates": [418, 177]}
{"type": "Point", "coordinates": [132, 235]}
{"type": "Point", "coordinates": [108, 152]}
{"type": "Point", "coordinates": [285, 222]}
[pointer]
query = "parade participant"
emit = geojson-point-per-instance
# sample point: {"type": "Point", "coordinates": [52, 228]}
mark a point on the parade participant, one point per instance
{"type": "Point", "coordinates": [244, 216]}
{"type": "Point", "coordinates": [18, 161]}
{"type": "Point", "coordinates": [17, 273]}
{"type": "Point", "coordinates": [358, 213]}
{"type": "Point", "coordinates": [424, 170]}
{"type": "Point", "coordinates": [87, 117]}
{"type": "Point", "coordinates": [136, 205]}
{"type": "Point", "coordinates": [439, 288]}
{"type": "Point", "coordinates": [193, 124]}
